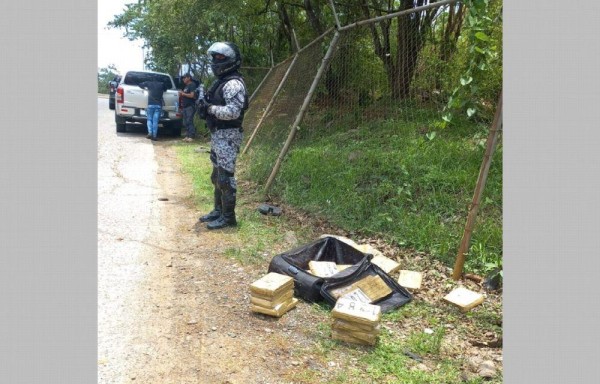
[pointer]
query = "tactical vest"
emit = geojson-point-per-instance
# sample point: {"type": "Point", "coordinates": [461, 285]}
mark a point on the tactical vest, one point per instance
{"type": "Point", "coordinates": [215, 96]}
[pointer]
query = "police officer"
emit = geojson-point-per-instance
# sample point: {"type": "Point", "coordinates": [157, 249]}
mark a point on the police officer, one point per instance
{"type": "Point", "coordinates": [223, 109]}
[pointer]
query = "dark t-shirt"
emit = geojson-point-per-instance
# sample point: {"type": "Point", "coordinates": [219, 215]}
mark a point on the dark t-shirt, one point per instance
{"type": "Point", "coordinates": [186, 101]}
{"type": "Point", "coordinates": [155, 91]}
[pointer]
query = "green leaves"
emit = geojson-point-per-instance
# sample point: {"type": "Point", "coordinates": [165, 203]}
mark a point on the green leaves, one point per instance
{"type": "Point", "coordinates": [465, 81]}
{"type": "Point", "coordinates": [180, 31]}
{"type": "Point", "coordinates": [431, 135]}
{"type": "Point", "coordinates": [104, 76]}
{"type": "Point", "coordinates": [483, 67]}
{"type": "Point", "coordinates": [482, 36]}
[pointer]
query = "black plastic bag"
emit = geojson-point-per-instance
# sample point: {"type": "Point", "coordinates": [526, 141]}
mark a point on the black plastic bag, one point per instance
{"type": "Point", "coordinates": [294, 263]}
{"type": "Point", "coordinates": [312, 288]}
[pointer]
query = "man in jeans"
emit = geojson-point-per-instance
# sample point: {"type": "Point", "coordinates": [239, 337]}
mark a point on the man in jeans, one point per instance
{"type": "Point", "coordinates": [155, 102]}
{"type": "Point", "coordinates": [188, 97]}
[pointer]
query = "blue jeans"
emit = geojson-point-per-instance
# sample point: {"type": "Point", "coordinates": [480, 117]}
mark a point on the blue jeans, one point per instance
{"type": "Point", "coordinates": [153, 115]}
{"type": "Point", "coordinates": [188, 121]}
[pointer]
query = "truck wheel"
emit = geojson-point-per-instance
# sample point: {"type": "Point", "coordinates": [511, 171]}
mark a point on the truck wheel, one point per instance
{"type": "Point", "coordinates": [120, 122]}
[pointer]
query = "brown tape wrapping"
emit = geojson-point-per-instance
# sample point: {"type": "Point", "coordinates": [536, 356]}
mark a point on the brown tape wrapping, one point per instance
{"type": "Point", "coordinates": [271, 285]}
{"type": "Point", "coordinates": [277, 311]}
{"type": "Point", "coordinates": [261, 301]}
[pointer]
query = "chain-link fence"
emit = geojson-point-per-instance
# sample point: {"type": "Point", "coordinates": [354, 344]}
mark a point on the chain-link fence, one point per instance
{"type": "Point", "coordinates": [276, 104]}
{"type": "Point", "coordinates": [262, 94]}
{"type": "Point", "coordinates": [400, 69]}
{"type": "Point", "coordinates": [383, 83]}
{"type": "Point", "coordinates": [253, 77]}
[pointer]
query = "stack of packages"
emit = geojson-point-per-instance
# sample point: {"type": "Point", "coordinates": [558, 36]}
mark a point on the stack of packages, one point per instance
{"type": "Point", "coordinates": [355, 322]}
{"type": "Point", "coordinates": [272, 295]}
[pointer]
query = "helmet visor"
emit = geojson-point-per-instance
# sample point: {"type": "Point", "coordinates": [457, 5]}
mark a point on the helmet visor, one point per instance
{"type": "Point", "coordinates": [221, 49]}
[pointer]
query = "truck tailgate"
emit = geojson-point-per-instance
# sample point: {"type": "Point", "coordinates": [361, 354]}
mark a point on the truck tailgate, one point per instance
{"type": "Point", "coordinates": [135, 97]}
{"type": "Point", "coordinates": [170, 97]}
{"type": "Point", "coordinates": [138, 98]}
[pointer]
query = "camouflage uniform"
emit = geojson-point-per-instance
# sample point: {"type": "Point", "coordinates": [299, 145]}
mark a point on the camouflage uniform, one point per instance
{"type": "Point", "coordinates": [225, 142]}
{"type": "Point", "coordinates": [228, 101]}
{"type": "Point", "coordinates": [225, 146]}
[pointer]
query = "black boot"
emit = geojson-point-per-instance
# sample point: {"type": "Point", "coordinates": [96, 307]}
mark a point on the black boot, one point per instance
{"type": "Point", "coordinates": [215, 213]}
{"type": "Point", "coordinates": [227, 218]}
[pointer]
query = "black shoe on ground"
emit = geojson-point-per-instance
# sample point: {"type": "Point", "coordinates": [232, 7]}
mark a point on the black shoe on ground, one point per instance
{"type": "Point", "coordinates": [212, 216]}
{"type": "Point", "coordinates": [222, 222]}
{"type": "Point", "coordinates": [153, 138]}
{"type": "Point", "coordinates": [148, 136]}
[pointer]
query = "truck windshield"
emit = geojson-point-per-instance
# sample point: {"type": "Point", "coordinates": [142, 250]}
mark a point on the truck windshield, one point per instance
{"type": "Point", "coordinates": [134, 78]}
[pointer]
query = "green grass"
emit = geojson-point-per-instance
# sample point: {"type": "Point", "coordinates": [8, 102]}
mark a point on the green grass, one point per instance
{"type": "Point", "coordinates": [198, 166]}
{"type": "Point", "coordinates": [388, 360]}
{"type": "Point", "coordinates": [258, 238]}
{"type": "Point", "coordinates": [390, 179]}
{"type": "Point", "coordinates": [417, 309]}
{"type": "Point", "coordinates": [388, 363]}
{"type": "Point", "coordinates": [426, 344]}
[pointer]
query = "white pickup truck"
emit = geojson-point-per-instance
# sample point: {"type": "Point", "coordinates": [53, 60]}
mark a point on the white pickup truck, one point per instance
{"type": "Point", "coordinates": [131, 102]}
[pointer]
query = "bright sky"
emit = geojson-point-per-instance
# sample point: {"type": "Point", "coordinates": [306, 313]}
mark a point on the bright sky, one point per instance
{"type": "Point", "coordinates": [113, 48]}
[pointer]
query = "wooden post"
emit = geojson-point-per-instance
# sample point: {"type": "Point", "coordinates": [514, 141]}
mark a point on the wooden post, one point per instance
{"type": "Point", "coordinates": [397, 14]}
{"type": "Point", "coordinates": [305, 104]}
{"type": "Point", "coordinates": [483, 173]}
{"type": "Point", "coordinates": [296, 44]}
{"type": "Point", "coordinates": [337, 21]}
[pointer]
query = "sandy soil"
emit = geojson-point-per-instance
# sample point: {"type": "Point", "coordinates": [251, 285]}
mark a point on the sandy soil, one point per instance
{"type": "Point", "coordinates": [174, 309]}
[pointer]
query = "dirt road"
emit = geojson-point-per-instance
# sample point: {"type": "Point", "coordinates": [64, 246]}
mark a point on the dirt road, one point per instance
{"type": "Point", "coordinates": [171, 309]}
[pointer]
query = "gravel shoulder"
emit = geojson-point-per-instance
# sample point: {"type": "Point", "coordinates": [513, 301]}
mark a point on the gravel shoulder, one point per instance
{"type": "Point", "coordinates": [185, 317]}
{"type": "Point", "coordinates": [192, 322]}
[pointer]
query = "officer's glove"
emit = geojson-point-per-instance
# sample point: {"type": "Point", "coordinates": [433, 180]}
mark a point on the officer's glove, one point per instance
{"type": "Point", "coordinates": [202, 108]}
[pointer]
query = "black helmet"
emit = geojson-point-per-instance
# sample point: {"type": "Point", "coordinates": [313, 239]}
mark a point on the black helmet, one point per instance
{"type": "Point", "coordinates": [225, 58]}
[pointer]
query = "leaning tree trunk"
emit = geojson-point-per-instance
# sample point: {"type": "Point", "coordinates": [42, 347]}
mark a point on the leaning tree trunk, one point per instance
{"type": "Point", "coordinates": [314, 17]}
{"type": "Point", "coordinates": [337, 75]}
{"type": "Point", "coordinates": [410, 42]}
{"type": "Point", "coordinates": [381, 43]}
{"type": "Point", "coordinates": [456, 17]}
{"type": "Point", "coordinates": [286, 25]}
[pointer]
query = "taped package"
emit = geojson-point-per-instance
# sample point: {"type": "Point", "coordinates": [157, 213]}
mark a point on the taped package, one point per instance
{"type": "Point", "coordinates": [355, 322]}
{"type": "Point", "coordinates": [323, 268]}
{"type": "Point", "coordinates": [272, 295]}
{"type": "Point", "coordinates": [366, 290]}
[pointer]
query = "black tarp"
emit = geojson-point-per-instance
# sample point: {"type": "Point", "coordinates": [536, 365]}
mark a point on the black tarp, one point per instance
{"type": "Point", "coordinates": [312, 288]}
